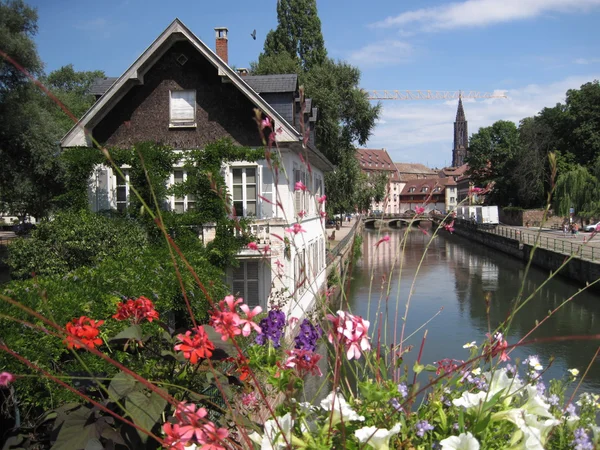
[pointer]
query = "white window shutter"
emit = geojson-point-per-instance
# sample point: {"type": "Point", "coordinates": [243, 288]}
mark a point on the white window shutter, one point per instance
{"type": "Point", "coordinates": [183, 106]}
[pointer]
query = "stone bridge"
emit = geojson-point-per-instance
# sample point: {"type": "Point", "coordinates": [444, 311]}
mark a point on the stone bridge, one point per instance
{"type": "Point", "coordinates": [398, 221]}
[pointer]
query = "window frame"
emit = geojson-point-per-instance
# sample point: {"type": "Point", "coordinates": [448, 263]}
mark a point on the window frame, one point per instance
{"type": "Point", "coordinates": [125, 185]}
{"type": "Point", "coordinates": [244, 265]}
{"type": "Point", "coordinates": [244, 185]}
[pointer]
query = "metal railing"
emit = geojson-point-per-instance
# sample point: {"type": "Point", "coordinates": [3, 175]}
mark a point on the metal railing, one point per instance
{"type": "Point", "coordinates": [335, 252]}
{"type": "Point", "coordinates": [582, 250]}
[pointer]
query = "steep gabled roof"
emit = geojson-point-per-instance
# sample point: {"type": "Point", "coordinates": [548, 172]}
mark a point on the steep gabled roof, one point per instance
{"type": "Point", "coordinates": [266, 84]}
{"type": "Point", "coordinates": [375, 159]}
{"type": "Point", "coordinates": [176, 31]}
{"type": "Point", "coordinates": [414, 168]}
{"type": "Point", "coordinates": [431, 183]}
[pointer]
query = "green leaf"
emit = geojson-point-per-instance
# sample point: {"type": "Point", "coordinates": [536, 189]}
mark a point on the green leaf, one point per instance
{"type": "Point", "coordinates": [76, 431]}
{"type": "Point", "coordinates": [132, 332]}
{"type": "Point", "coordinates": [121, 385]}
{"type": "Point", "coordinates": [418, 368]}
{"type": "Point", "coordinates": [94, 444]}
{"type": "Point", "coordinates": [430, 368]}
{"type": "Point", "coordinates": [145, 410]}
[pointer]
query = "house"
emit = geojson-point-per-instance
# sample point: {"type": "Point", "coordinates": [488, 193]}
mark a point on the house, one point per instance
{"type": "Point", "coordinates": [375, 162]}
{"type": "Point", "coordinates": [429, 193]}
{"type": "Point", "coordinates": [183, 94]}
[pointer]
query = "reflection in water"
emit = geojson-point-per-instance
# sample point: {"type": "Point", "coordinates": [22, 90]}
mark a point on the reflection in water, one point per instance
{"type": "Point", "coordinates": [458, 276]}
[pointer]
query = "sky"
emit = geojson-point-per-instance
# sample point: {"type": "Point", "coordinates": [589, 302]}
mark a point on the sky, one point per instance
{"type": "Point", "coordinates": [533, 50]}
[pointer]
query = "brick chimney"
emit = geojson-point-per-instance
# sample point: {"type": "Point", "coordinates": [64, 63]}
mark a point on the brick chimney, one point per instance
{"type": "Point", "coordinates": [221, 43]}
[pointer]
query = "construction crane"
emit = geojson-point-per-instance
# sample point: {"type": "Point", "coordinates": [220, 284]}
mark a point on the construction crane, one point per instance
{"type": "Point", "coordinates": [430, 95]}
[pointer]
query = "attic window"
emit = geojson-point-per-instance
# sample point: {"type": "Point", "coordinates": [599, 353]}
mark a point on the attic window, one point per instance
{"type": "Point", "coordinates": [183, 109]}
{"type": "Point", "coordinates": [182, 59]}
{"type": "Point", "coordinates": [412, 189]}
{"type": "Point", "coordinates": [425, 189]}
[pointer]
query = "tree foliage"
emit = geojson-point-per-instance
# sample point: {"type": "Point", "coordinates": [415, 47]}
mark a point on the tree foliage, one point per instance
{"type": "Point", "coordinates": [578, 189]}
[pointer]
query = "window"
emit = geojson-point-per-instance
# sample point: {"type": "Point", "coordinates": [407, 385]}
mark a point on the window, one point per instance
{"type": "Point", "coordinates": [245, 282]}
{"type": "Point", "coordinates": [122, 190]}
{"type": "Point", "coordinates": [185, 203]}
{"type": "Point", "coordinates": [412, 189]}
{"type": "Point", "coordinates": [424, 189]}
{"type": "Point", "coordinates": [244, 189]}
{"type": "Point", "coordinates": [300, 197]}
{"type": "Point", "coordinates": [183, 108]}
{"type": "Point", "coordinates": [436, 189]}
{"type": "Point", "coordinates": [452, 200]}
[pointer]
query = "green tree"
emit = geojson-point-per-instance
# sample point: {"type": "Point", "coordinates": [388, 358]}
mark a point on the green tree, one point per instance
{"type": "Point", "coordinates": [577, 189]}
{"type": "Point", "coordinates": [298, 33]}
{"type": "Point", "coordinates": [72, 89]}
{"type": "Point", "coordinates": [583, 122]}
{"type": "Point", "coordinates": [18, 25]}
{"type": "Point", "coordinates": [492, 158]}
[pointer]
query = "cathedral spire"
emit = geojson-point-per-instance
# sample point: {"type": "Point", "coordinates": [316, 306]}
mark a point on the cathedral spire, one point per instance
{"type": "Point", "coordinates": [461, 136]}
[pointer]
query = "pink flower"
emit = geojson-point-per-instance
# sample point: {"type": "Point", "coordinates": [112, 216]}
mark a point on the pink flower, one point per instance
{"type": "Point", "coordinates": [252, 246]}
{"type": "Point", "coordinates": [386, 238]}
{"type": "Point", "coordinates": [351, 331]}
{"type": "Point", "coordinates": [265, 123]}
{"type": "Point", "coordinates": [303, 362]}
{"type": "Point", "coordinates": [449, 226]}
{"type": "Point", "coordinates": [5, 378]}
{"type": "Point", "coordinates": [174, 439]}
{"type": "Point", "coordinates": [323, 214]}
{"type": "Point", "coordinates": [301, 214]}
{"type": "Point", "coordinates": [419, 209]}
{"type": "Point", "coordinates": [322, 199]}
{"type": "Point", "coordinates": [266, 249]}
{"type": "Point", "coordinates": [225, 320]}
{"type": "Point", "coordinates": [211, 437]}
{"type": "Point", "coordinates": [498, 346]}
{"type": "Point", "coordinates": [300, 186]}
{"type": "Point", "coordinates": [296, 228]}
{"type": "Point", "coordinates": [247, 323]}
{"type": "Point", "coordinates": [249, 399]}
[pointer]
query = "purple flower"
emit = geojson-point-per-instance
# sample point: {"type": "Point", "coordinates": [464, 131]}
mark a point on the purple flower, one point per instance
{"type": "Point", "coordinates": [553, 400]}
{"type": "Point", "coordinates": [541, 387]}
{"type": "Point", "coordinates": [423, 427]}
{"type": "Point", "coordinates": [571, 409]}
{"type": "Point", "coordinates": [308, 336]}
{"type": "Point", "coordinates": [272, 328]}
{"type": "Point", "coordinates": [403, 389]}
{"type": "Point", "coordinates": [511, 369]}
{"type": "Point", "coordinates": [396, 404]}
{"type": "Point", "coordinates": [582, 440]}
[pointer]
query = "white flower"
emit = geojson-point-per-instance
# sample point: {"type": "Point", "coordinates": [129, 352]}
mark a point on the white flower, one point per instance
{"type": "Point", "coordinates": [534, 362]}
{"type": "Point", "coordinates": [342, 410]}
{"type": "Point", "coordinates": [461, 442]}
{"type": "Point", "coordinates": [470, 344]}
{"type": "Point", "coordinates": [273, 438]}
{"type": "Point", "coordinates": [476, 372]}
{"type": "Point", "coordinates": [377, 438]}
{"type": "Point", "coordinates": [573, 372]}
{"type": "Point", "coordinates": [469, 400]}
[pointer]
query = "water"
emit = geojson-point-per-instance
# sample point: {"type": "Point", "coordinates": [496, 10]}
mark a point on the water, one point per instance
{"type": "Point", "coordinates": [458, 275]}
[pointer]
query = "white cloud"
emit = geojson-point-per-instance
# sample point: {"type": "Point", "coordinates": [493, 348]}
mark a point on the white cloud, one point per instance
{"type": "Point", "coordinates": [384, 53]}
{"type": "Point", "coordinates": [586, 61]}
{"type": "Point", "coordinates": [480, 13]}
{"type": "Point", "coordinates": [423, 131]}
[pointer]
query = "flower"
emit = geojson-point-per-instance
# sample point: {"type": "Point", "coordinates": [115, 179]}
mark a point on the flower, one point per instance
{"type": "Point", "coordinates": [461, 442]}
{"type": "Point", "coordinates": [303, 362]}
{"type": "Point", "coordinates": [323, 214]}
{"type": "Point", "coordinates": [582, 440]}
{"type": "Point", "coordinates": [271, 328]}
{"type": "Point", "coordinates": [174, 436]}
{"type": "Point", "coordinates": [278, 433]}
{"type": "Point", "coordinates": [300, 186]}
{"type": "Point", "coordinates": [225, 320]}
{"type": "Point", "coordinates": [321, 199]}
{"type": "Point", "coordinates": [308, 335]}
{"type": "Point", "coordinates": [534, 362]}
{"type": "Point", "coordinates": [498, 345]}
{"type": "Point", "coordinates": [470, 344]}
{"type": "Point", "coordinates": [423, 427]}
{"type": "Point", "coordinates": [137, 310]}
{"type": "Point", "coordinates": [195, 347]}
{"type": "Point", "coordinates": [211, 436]}
{"type": "Point", "coordinates": [249, 399]}
{"type": "Point", "coordinates": [5, 378]}
{"type": "Point", "coordinates": [247, 323]}
{"type": "Point", "coordinates": [265, 123]}
{"type": "Point", "coordinates": [341, 409]}
{"type": "Point", "coordinates": [296, 228]}
{"type": "Point", "coordinates": [252, 245]}
{"type": "Point", "coordinates": [419, 209]}
{"type": "Point", "coordinates": [449, 227]}
{"type": "Point", "coordinates": [301, 214]}
{"type": "Point", "coordinates": [403, 390]}
{"type": "Point", "coordinates": [377, 438]}
{"type": "Point", "coordinates": [85, 330]}
{"type": "Point", "coordinates": [386, 238]}
{"type": "Point", "coordinates": [573, 372]}
{"type": "Point", "coordinates": [351, 331]}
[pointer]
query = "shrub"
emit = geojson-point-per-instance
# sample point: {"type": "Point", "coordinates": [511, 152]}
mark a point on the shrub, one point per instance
{"type": "Point", "coordinates": [73, 240]}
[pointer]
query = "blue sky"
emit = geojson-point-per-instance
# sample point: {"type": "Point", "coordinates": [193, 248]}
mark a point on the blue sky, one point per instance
{"type": "Point", "coordinates": [533, 49]}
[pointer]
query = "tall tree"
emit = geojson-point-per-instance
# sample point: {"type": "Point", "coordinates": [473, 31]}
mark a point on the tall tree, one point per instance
{"type": "Point", "coordinates": [577, 189]}
{"type": "Point", "coordinates": [492, 158]}
{"type": "Point", "coordinates": [298, 33]}
{"type": "Point", "coordinates": [18, 25]}
{"type": "Point", "coordinates": [583, 122]}
{"type": "Point", "coordinates": [72, 89]}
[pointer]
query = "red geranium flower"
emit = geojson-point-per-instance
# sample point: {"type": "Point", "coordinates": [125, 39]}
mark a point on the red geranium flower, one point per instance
{"type": "Point", "coordinates": [136, 310]}
{"type": "Point", "coordinates": [195, 345]}
{"type": "Point", "coordinates": [84, 329]}
{"type": "Point", "coordinates": [211, 437]}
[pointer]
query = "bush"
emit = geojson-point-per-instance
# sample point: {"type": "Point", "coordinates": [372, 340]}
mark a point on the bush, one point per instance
{"type": "Point", "coordinates": [73, 240]}
{"type": "Point", "coordinates": [95, 292]}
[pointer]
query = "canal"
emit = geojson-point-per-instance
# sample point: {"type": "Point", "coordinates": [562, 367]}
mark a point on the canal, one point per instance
{"type": "Point", "coordinates": [457, 276]}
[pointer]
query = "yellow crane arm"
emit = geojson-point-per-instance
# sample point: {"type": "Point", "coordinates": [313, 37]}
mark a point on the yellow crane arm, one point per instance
{"type": "Point", "coordinates": [429, 95]}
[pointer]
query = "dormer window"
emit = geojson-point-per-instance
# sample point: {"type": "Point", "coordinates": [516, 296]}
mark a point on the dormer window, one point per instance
{"type": "Point", "coordinates": [182, 109]}
{"type": "Point", "coordinates": [424, 189]}
{"type": "Point", "coordinates": [412, 189]}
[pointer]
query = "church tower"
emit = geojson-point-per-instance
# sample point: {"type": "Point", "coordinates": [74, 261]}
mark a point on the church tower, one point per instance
{"type": "Point", "coordinates": [461, 137]}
